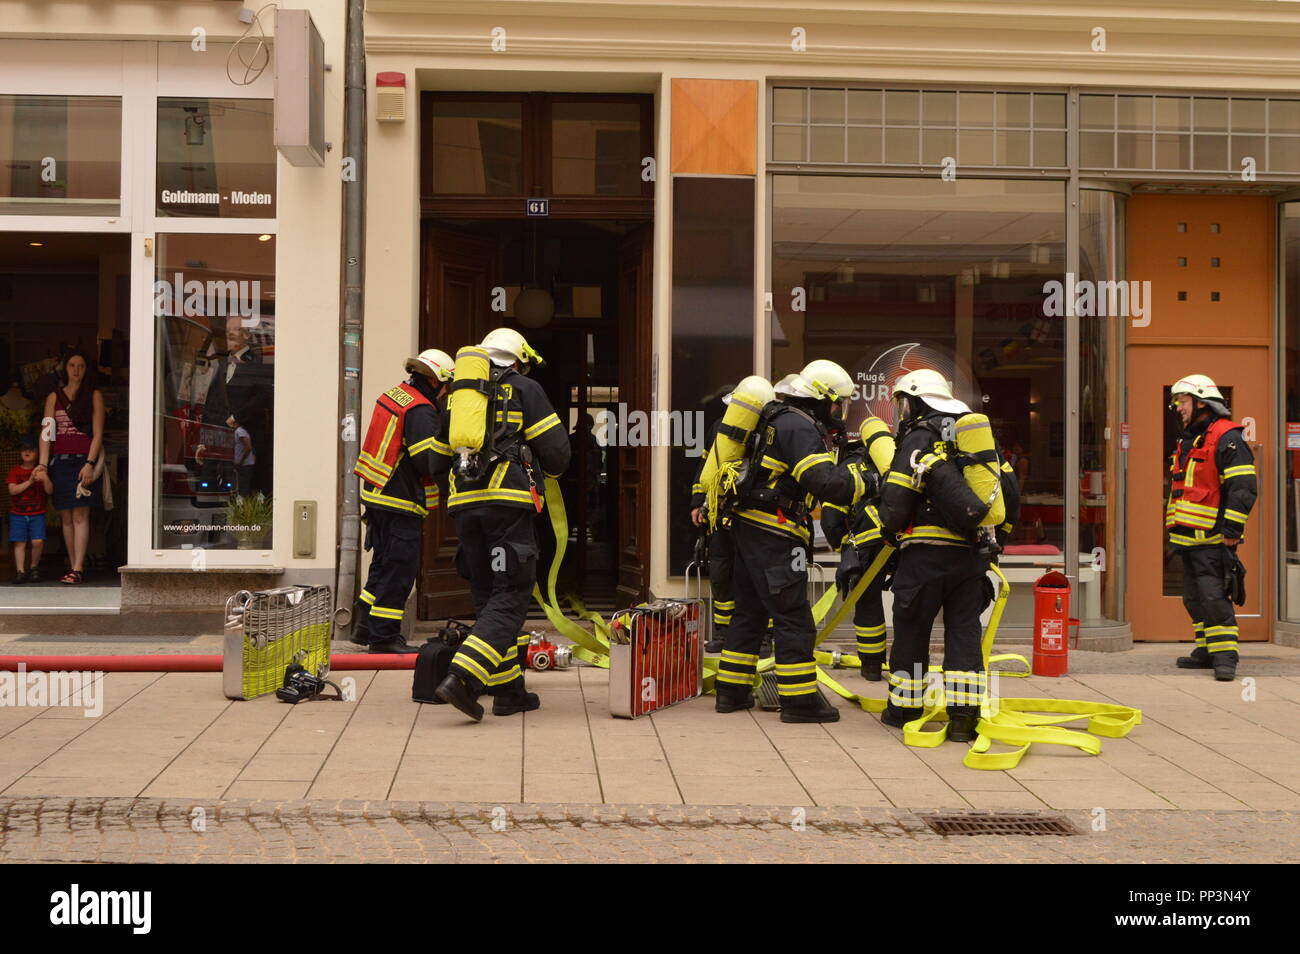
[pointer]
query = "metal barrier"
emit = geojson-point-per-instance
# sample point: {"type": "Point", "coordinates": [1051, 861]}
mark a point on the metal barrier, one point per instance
{"type": "Point", "coordinates": [656, 656]}
{"type": "Point", "coordinates": [695, 574]}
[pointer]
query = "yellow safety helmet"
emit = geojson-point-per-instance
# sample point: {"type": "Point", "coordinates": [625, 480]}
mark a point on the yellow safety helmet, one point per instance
{"type": "Point", "coordinates": [432, 363]}
{"type": "Point", "coordinates": [507, 343]}
{"type": "Point", "coordinates": [821, 379]}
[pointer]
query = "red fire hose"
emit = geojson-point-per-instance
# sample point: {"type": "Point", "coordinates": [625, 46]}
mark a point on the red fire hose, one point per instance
{"type": "Point", "coordinates": [205, 663]}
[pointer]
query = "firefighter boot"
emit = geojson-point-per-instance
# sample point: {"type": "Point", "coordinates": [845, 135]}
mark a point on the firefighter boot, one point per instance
{"type": "Point", "coordinates": [517, 700]}
{"type": "Point", "coordinates": [897, 716]}
{"type": "Point", "coordinates": [871, 665]}
{"type": "Point", "coordinates": [733, 698]}
{"type": "Point", "coordinates": [394, 645]}
{"type": "Point", "coordinates": [809, 707]}
{"type": "Point", "coordinates": [454, 689]}
{"type": "Point", "coordinates": [1225, 666]}
{"type": "Point", "coordinates": [714, 645]}
{"type": "Point", "coordinates": [1199, 659]}
{"type": "Point", "coordinates": [961, 726]}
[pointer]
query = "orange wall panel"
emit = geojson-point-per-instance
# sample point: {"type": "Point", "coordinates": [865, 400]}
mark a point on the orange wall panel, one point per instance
{"type": "Point", "coordinates": [1243, 278]}
{"type": "Point", "coordinates": [715, 127]}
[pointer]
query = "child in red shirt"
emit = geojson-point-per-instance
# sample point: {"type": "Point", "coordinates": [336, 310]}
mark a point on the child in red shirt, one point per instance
{"type": "Point", "coordinates": [28, 485]}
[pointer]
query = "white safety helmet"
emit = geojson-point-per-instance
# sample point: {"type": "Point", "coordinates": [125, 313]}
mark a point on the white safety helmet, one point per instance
{"type": "Point", "coordinates": [506, 346]}
{"type": "Point", "coordinates": [755, 389]}
{"type": "Point", "coordinates": [432, 363]}
{"type": "Point", "coordinates": [821, 379]}
{"type": "Point", "coordinates": [932, 388]}
{"type": "Point", "coordinates": [786, 386]}
{"type": "Point", "coordinates": [1198, 386]}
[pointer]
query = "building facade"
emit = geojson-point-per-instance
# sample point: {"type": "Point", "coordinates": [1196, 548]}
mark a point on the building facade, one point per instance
{"type": "Point", "coordinates": [1063, 209]}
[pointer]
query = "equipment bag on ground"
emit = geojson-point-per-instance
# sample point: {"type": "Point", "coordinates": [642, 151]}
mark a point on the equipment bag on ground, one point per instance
{"type": "Point", "coordinates": [434, 661]}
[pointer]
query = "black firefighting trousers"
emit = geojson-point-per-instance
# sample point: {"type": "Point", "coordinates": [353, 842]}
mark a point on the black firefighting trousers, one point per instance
{"type": "Point", "coordinates": [770, 580]}
{"type": "Point", "coordinates": [931, 578]}
{"type": "Point", "coordinates": [394, 539]}
{"type": "Point", "coordinates": [1205, 595]}
{"type": "Point", "coordinates": [498, 555]}
{"type": "Point", "coordinates": [721, 569]}
{"type": "Point", "coordinates": [869, 611]}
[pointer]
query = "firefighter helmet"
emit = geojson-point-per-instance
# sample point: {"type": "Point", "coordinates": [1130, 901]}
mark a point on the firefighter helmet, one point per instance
{"type": "Point", "coordinates": [823, 380]}
{"type": "Point", "coordinates": [1198, 386]}
{"type": "Point", "coordinates": [432, 363]}
{"type": "Point", "coordinates": [506, 344]}
{"type": "Point", "coordinates": [932, 388]}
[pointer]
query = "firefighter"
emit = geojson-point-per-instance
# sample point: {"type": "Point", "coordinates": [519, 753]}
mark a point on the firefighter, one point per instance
{"type": "Point", "coordinates": [939, 568]}
{"type": "Point", "coordinates": [788, 471]}
{"type": "Point", "coordinates": [1213, 489]}
{"type": "Point", "coordinates": [396, 465]}
{"type": "Point", "coordinates": [717, 548]}
{"type": "Point", "coordinates": [494, 510]}
{"type": "Point", "coordinates": [855, 532]}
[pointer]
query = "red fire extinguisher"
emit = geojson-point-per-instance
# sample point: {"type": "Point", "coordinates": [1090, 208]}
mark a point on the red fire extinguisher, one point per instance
{"type": "Point", "coordinates": [1052, 621]}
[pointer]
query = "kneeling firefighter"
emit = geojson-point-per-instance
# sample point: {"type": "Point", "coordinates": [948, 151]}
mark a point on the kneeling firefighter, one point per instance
{"type": "Point", "coordinates": [1213, 491]}
{"type": "Point", "coordinates": [784, 470]}
{"type": "Point", "coordinates": [501, 428]}
{"type": "Point", "coordinates": [397, 464]}
{"type": "Point", "coordinates": [855, 532]}
{"type": "Point", "coordinates": [945, 502]}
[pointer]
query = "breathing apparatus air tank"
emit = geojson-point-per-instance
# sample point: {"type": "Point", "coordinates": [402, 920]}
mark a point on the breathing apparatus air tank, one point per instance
{"type": "Point", "coordinates": [468, 405]}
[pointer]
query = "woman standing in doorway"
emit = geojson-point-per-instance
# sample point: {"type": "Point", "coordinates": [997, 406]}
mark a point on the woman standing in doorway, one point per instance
{"type": "Point", "coordinates": [77, 410]}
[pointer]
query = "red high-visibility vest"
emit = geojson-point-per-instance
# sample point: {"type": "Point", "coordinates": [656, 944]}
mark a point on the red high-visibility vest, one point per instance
{"type": "Point", "coordinates": [1194, 497]}
{"type": "Point", "coordinates": [383, 446]}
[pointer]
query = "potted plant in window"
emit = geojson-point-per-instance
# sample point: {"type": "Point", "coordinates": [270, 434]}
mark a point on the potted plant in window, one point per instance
{"type": "Point", "coordinates": [249, 517]}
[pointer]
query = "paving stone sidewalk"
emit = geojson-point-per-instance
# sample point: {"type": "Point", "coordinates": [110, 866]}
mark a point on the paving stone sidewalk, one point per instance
{"type": "Point", "coordinates": [243, 832]}
{"type": "Point", "coordinates": [1204, 746]}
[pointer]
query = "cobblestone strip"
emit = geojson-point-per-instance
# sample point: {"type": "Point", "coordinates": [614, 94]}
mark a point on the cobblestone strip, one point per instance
{"type": "Point", "coordinates": [158, 830]}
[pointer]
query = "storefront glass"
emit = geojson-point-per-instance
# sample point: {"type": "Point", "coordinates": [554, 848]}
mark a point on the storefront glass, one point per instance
{"type": "Point", "coordinates": [214, 308]}
{"type": "Point", "coordinates": [713, 323]}
{"type": "Point", "coordinates": [216, 158]}
{"type": "Point", "coordinates": [1101, 406]}
{"type": "Point", "coordinates": [1289, 292]}
{"type": "Point", "coordinates": [60, 155]}
{"type": "Point", "coordinates": [886, 275]}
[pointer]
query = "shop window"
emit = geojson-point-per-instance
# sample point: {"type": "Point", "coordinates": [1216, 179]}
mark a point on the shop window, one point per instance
{"type": "Point", "coordinates": [60, 155]}
{"type": "Point", "coordinates": [216, 158]}
{"type": "Point", "coordinates": [214, 308]}
{"type": "Point", "coordinates": [948, 275]}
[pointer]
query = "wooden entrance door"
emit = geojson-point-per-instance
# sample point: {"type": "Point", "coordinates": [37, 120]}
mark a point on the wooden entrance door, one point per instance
{"type": "Point", "coordinates": [1210, 263]}
{"type": "Point", "coordinates": [456, 268]}
{"type": "Point", "coordinates": [635, 388]}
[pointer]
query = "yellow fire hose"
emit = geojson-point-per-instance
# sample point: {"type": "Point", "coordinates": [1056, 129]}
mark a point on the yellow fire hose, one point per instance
{"type": "Point", "coordinates": [1018, 723]}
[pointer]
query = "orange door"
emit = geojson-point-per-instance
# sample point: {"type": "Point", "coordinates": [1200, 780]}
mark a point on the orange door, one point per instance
{"type": "Point", "coordinates": [1210, 263]}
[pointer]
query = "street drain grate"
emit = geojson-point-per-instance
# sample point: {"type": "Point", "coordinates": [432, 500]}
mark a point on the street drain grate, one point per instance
{"type": "Point", "coordinates": [999, 825]}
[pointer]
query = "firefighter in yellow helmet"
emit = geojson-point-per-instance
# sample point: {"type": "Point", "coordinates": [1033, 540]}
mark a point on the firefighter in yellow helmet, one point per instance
{"type": "Point", "coordinates": [1212, 493]}
{"type": "Point", "coordinates": [396, 465]}
{"type": "Point", "coordinates": [494, 497]}
{"type": "Point", "coordinates": [787, 471]}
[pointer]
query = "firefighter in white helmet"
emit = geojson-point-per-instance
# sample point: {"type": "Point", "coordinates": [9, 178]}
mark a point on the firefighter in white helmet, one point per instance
{"type": "Point", "coordinates": [939, 567]}
{"type": "Point", "coordinates": [788, 471]}
{"type": "Point", "coordinates": [494, 509]}
{"type": "Point", "coordinates": [396, 465]}
{"type": "Point", "coordinates": [1210, 498]}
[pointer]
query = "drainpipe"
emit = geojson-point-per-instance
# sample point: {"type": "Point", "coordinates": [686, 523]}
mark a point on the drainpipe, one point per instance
{"type": "Point", "coordinates": [353, 268]}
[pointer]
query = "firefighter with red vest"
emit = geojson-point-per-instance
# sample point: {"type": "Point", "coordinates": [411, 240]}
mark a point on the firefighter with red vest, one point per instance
{"type": "Point", "coordinates": [1213, 489]}
{"type": "Point", "coordinates": [397, 465]}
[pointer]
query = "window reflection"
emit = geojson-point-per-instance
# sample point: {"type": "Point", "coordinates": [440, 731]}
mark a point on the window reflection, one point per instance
{"type": "Point", "coordinates": [214, 307]}
{"type": "Point", "coordinates": [60, 155]}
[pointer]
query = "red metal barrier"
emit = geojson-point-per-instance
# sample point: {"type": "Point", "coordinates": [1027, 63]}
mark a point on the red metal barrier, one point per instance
{"type": "Point", "coordinates": [343, 662]}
